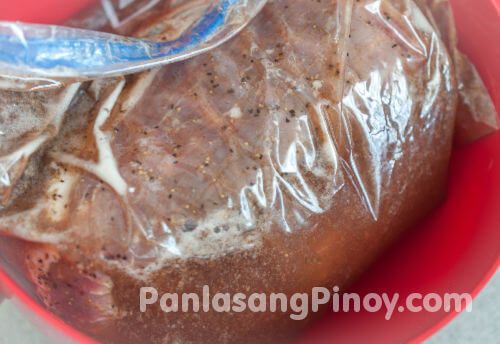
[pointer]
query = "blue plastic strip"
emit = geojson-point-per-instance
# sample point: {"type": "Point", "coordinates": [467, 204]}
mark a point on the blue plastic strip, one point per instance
{"type": "Point", "coordinates": [100, 52]}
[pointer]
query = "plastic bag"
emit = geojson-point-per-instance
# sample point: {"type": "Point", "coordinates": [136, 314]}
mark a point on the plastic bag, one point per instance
{"type": "Point", "coordinates": [42, 56]}
{"type": "Point", "coordinates": [286, 159]}
{"type": "Point", "coordinates": [475, 106]}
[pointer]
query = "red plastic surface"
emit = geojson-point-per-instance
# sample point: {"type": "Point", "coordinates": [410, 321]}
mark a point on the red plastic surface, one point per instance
{"type": "Point", "coordinates": [455, 250]}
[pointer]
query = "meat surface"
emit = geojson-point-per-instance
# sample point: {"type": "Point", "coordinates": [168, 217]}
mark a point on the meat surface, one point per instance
{"type": "Point", "coordinates": [286, 159]}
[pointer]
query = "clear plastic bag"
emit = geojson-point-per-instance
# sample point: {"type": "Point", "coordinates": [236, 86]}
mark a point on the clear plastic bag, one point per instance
{"type": "Point", "coordinates": [475, 115]}
{"type": "Point", "coordinates": [37, 57]}
{"type": "Point", "coordinates": [288, 158]}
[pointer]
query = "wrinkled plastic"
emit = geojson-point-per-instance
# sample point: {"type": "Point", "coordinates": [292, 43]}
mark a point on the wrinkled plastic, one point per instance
{"type": "Point", "coordinates": [285, 159]}
{"type": "Point", "coordinates": [42, 56]}
{"type": "Point", "coordinates": [475, 106]}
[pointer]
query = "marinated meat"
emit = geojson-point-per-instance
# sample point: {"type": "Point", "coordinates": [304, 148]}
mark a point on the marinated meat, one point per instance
{"type": "Point", "coordinates": [286, 159]}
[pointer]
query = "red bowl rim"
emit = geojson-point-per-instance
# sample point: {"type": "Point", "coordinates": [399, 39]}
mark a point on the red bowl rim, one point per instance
{"type": "Point", "coordinates": [13, 289]}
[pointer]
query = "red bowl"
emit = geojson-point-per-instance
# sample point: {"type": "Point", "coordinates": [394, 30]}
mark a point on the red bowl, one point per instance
{"type": "Point", "coordinates": [456, 250]}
